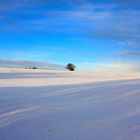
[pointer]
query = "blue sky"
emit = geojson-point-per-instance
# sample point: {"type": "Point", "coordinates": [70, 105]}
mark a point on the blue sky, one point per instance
{"type": "Point", "coordinates": [83, 32]}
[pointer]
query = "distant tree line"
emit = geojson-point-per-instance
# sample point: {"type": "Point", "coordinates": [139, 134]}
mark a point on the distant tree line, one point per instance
{"type": "Point", "coordinates": [30, 67]}
{"type": "Point", "coordinates": [69, 66]}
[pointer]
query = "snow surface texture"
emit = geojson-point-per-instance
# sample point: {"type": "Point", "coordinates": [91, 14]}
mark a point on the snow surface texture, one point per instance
{"type": "Point", "coordinates": [62, 107]}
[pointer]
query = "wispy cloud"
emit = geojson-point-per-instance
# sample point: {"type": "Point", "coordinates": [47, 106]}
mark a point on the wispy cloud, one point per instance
{"type": "Point", "coordinates": [129, 53]}
{"type": "Point", "coordinates": [103, 20]}
{"type": "Point", "coordinates": [113, 20]}
{"type": "Point", "coordinates": [25, 63]}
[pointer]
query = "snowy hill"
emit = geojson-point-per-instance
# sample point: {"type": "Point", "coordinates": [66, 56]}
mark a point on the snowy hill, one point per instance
{"type": "Point", "coordinates": [59, 105]}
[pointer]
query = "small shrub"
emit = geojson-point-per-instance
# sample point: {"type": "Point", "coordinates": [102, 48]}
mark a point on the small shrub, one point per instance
{"type": "Point", "coordinates": [70, 67]}
{"type": "Point", "coordinates": [34, 67]}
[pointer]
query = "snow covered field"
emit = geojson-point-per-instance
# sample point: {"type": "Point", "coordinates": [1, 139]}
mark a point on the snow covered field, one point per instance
{"type": "Point", "coordinates": [60, 105]}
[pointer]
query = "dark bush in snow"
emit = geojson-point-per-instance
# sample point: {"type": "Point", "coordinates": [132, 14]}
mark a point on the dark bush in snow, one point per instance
{"type": "Point", "coordinates": [70, 67]}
